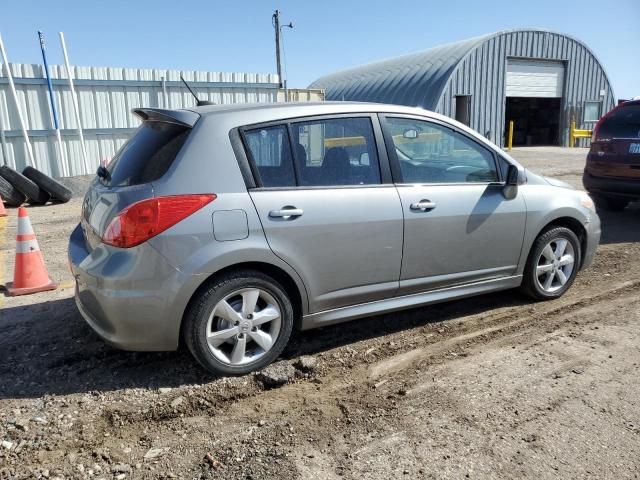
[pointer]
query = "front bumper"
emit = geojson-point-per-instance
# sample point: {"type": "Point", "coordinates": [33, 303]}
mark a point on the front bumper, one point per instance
{"type": "Point", "coordinates": [127, 295]}
{"type": "Point", "coordinates": [592, 240]}
{"type": "Point", "coordinates": [611, 186]}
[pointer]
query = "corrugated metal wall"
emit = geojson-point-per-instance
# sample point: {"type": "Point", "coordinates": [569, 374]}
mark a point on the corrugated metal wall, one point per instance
{"type": "Point", "coordinates": [482, 74]}
{"type": "Point", "coordinates": [106, 97]}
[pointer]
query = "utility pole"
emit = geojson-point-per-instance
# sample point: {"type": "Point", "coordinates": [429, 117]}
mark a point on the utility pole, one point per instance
{"type": "Point", "coordinates": [275, 20]}
{"type": "Point", "coordinates": [276, 24]}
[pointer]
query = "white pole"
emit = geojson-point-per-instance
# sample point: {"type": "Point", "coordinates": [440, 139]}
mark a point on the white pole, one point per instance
{"type": "Point", "coordinates": [165, 103]}
{"type": "Point", "coordinates": [63, 161]}
{"type": "Point", "coordinates": [76, 109]}
{"type": "Point", "coordinates": [15, 98]}
{"type": "Point", "coordinates": [3, 140]}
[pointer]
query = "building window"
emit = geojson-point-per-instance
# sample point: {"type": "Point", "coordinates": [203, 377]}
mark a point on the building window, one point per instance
{"type": "Point", "coordinates": [592, 111]}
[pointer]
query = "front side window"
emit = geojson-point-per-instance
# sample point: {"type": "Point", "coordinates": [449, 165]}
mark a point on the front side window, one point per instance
{"type": "Point", "coordinates": [337, 151]}
{"type": "Point", "coordinates": [271, 155]}
{"type": "Point", "coordinates": [431, 153]}
{"type": "Point", "coordinates": [591, 111]}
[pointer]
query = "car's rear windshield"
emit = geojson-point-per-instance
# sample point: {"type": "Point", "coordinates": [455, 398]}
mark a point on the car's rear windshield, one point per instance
{"type": "Point", "coordinates": [148, 154]}
{"type": "Point", "coordinates": [626, 114]}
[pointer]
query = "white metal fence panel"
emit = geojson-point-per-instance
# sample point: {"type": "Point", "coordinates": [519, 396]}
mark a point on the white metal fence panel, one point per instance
{"type": "Point", "coordinates": [105, 97]}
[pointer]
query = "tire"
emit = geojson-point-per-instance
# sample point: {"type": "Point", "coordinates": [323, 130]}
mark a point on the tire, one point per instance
{"type": "Point", "coordinates": [10, 195]}
{"type": "Point", "coordinates": [612, 204]}
{"type": "Point", "coordinates": [540, 267]}
{"type": "Point", "coordinates": [205, 316]}
{"type": "Point", "coordinates": [21, 183]}
{"type": "Point", "coordinates": [57, 190]}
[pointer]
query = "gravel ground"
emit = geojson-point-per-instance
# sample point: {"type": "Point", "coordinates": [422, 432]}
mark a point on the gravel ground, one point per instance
{"type": "Point", "coordinates": [490, 387]}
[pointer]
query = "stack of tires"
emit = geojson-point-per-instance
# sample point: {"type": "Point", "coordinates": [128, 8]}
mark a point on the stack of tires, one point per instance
{"type": "Point", "coordinates": [30, 186]}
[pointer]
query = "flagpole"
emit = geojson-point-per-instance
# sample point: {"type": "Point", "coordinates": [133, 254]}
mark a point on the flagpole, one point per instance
{"type": "Point", "coordinates": [54, 110]}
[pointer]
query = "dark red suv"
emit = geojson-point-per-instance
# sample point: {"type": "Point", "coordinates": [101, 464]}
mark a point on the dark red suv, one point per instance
{"type": "Point", "coordinates": [612, 173]}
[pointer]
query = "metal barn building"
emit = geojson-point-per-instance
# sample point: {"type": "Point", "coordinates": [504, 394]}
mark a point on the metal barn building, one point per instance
{"type": "Point", "coordinates": [541, 80]}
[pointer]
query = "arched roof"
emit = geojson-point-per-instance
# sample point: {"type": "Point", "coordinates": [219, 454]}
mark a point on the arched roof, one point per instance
{"type": "Point", "coordinates": [416, 79]}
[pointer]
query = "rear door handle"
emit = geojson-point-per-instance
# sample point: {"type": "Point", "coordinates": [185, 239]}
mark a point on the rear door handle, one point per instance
{"type": "Point", "coordinates": [423, 205]}
{"type": "Point", "coordinates": [286, 213]}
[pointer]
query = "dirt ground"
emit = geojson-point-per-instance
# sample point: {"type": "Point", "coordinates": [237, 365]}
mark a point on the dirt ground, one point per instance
{"type": "Point", "coordinates": [490, 387]}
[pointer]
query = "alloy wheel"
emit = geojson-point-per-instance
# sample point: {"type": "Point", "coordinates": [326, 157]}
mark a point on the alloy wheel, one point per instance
{"type": "Point", "coordinates": [243, 326]}
{"type": "Point", "coordinates": [555, 265]}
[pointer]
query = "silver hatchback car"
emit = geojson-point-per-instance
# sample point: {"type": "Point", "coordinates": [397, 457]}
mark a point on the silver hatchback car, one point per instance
{"type": "Point", "coordinates": [229, 226]}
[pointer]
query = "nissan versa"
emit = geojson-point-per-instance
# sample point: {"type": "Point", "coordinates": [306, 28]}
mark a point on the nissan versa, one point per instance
{"type": "Point", "coordinates": [228, 226]}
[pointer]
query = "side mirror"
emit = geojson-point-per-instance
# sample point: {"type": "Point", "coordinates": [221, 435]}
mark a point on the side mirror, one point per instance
{"type": "Point", "coordinates": [510, 190]}
{"type": "Point", "coordinates": [512, 175]}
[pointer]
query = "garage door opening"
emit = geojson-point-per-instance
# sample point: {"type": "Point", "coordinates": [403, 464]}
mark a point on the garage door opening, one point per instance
{"type": "Point", "coordinates": [536, 120]}
{"type": "Point", "coordinates": [534, 96]}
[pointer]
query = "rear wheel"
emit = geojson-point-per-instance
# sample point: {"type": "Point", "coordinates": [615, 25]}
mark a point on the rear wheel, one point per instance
{"type": "Point", "coordinates": [553, 264]}
{"type": "Point", "coordinates": [613, 204]}
{"type": "Point", "coordinates": [239, 323]}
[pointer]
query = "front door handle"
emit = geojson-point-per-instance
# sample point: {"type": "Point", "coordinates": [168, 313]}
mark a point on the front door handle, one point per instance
{"type": "Point", "coordinates": [423, 206]}
{"type": "Point", "coordinates": [286, 213]}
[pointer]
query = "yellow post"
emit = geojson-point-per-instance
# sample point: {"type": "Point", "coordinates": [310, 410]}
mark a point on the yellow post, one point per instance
{"type": "Point", "coordinates": [572, 133]}
{"type": "Point", "coordinates": [510, 140]}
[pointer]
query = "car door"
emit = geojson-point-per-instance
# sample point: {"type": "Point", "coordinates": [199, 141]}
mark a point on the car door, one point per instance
{"type": "Point", "coordinates": [459, 227]}
{"type": "Point", "coordinates": [326, 207]}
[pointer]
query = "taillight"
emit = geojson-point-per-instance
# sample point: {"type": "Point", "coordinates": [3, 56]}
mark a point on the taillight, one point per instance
{"type": "Point", "coordinates": [145, 219]}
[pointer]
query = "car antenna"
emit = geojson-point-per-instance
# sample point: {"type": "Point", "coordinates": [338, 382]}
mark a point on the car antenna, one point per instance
{"type": "Point", "coordinates": [199, 103]}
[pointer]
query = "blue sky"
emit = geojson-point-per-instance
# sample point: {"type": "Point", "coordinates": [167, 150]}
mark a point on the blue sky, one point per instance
{"type": "Point", "coordinates": [328, 34]}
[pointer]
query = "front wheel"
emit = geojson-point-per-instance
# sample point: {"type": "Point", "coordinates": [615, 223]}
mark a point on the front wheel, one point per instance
{"type": "Point", "coordinates": [552, 265]}
{"type": "Point", "coordinates": [239, 323]}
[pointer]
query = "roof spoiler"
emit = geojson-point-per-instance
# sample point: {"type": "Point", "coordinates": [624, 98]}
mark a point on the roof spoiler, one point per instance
{"type": "Point", "coordinates": [185, 118]}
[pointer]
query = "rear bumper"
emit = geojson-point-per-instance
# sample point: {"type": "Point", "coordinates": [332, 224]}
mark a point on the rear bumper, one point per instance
{"type": "Point", "coordinates": [127, 295]}
{"type": "Point", "coordinates": [611, 186]}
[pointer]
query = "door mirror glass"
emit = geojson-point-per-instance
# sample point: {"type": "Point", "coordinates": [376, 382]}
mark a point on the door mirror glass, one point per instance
{"type": "Point", "coordinates": [411, 133]}
{"type": "Point", "coordinates": [512, 175]}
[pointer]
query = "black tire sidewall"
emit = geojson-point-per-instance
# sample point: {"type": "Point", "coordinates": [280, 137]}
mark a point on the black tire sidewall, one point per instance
{"type": "Point", "coordinates": [531, 283]}
{"type": "Point", "coordinates": [56, 189]}
{"type": "Point", "coordinates": [195, 331]}
{"type": "Point", "coordinates": [21, 183]}
{"type": "Point", "coordinates": [10, 195]}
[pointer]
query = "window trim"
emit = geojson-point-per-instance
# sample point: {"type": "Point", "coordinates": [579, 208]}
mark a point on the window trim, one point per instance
{"type": "Point", "coordinates": [254, 182]}
{"type": "Point", "coordinates": [395, 163]}
{"type": "Point", "coordinates": [238, 145]}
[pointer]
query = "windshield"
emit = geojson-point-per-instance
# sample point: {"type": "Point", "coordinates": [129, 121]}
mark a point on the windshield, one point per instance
{"type": "Point", "coordinates": [147, 155]}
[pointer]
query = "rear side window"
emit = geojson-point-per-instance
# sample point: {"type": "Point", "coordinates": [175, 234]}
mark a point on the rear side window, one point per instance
{"type": "Point", "coordinates": [336, 151]}
{"type": "Point", "coordinates": [623, 122]}
{"type": "Point", "coordinates": [148, 154]}
{"type": "Point", "coordinates": [271, 155]}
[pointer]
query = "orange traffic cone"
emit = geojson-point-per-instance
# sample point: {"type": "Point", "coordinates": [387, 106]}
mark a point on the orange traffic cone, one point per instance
{"type": "Point", "coordinates": [30, 274]}
{"type": "Point", "coordinates": [3, 211]}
